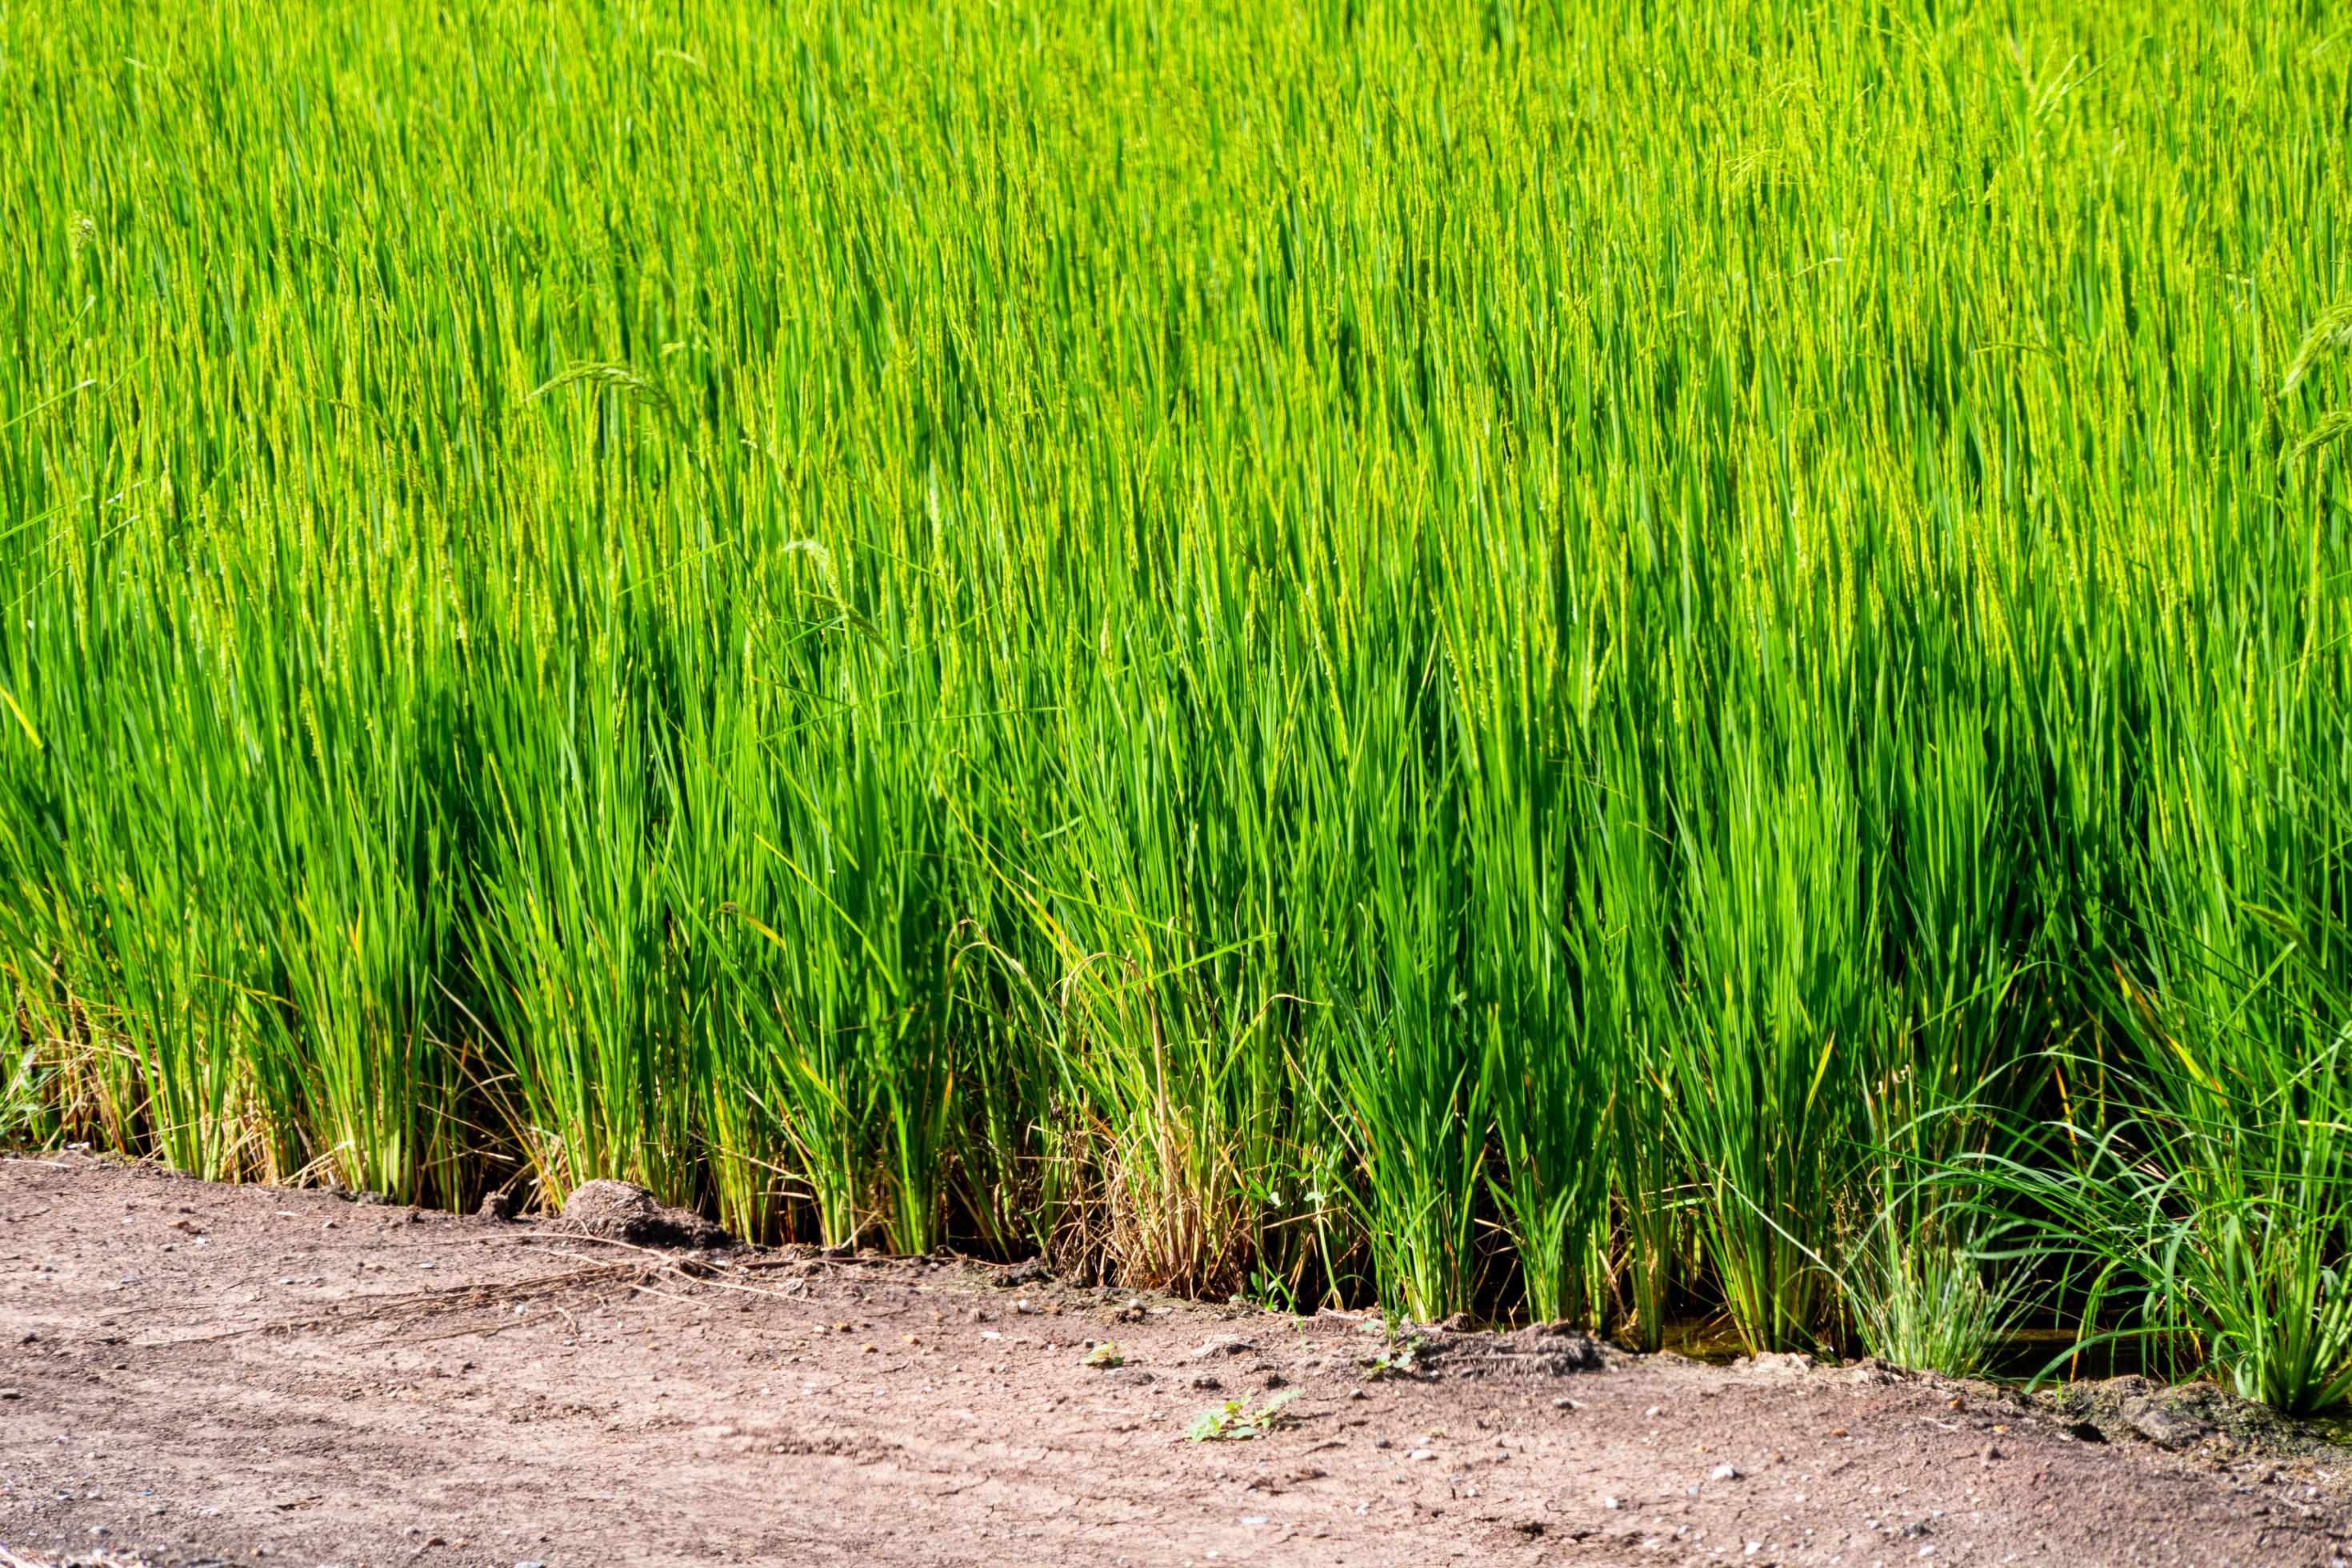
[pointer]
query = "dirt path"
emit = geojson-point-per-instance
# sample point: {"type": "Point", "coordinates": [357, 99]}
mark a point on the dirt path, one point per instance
{"type": "Point", "coordinates": [191, 1373]}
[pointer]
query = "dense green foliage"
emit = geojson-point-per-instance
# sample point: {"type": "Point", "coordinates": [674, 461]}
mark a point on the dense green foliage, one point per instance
{"type": "Point", "coordinates": [1517, 654]}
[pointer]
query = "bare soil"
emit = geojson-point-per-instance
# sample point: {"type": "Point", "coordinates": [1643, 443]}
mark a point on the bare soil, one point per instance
{"type": "Point", "coordinates": [193, 1374]}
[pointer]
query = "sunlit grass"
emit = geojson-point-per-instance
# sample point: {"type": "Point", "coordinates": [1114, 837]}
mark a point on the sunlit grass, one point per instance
{"type": "Point", "coordinates": [1485, 660]}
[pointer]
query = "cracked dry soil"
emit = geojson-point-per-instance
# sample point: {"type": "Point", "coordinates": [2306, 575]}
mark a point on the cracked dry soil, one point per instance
{"type": "Point", "coordinates": [193, 1374]}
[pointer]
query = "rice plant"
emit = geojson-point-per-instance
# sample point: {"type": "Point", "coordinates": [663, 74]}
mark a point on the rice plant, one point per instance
{"type": "Point", "coordinates": [1347, 652]}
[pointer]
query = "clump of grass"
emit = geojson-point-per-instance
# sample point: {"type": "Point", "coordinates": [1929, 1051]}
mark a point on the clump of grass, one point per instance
{"type": "Point", "coordinates": [1933, 1303]}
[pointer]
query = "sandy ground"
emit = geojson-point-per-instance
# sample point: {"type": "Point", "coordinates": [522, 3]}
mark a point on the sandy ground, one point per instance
{"type": "Point", "coordinates": [193, 1374]}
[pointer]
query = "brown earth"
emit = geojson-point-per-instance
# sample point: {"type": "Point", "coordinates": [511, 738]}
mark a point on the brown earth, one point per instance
{"type": "Point", "coordinates": [194, 1374]}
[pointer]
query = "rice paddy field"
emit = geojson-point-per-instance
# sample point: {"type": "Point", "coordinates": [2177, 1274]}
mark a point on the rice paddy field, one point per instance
{"type": "Point", "coordinates": [1611, 662]}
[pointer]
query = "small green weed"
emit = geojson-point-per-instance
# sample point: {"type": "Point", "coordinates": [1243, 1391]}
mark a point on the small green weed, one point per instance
{"type": "Point", "coordinates": [1235, 1422]}
{"type": "Point", "coordinates": [1396, 1359]}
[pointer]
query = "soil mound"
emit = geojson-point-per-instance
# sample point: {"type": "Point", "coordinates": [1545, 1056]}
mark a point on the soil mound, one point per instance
{"type": "Point", "coordinates": [1540, 1349]}
{"type": "Point", "coordinates": [622, 1211]}
{"type": "Point", "coordinates": [2122, 1409]}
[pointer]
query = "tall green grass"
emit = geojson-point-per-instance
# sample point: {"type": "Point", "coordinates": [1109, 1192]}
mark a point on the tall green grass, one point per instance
{"type": "Point", "coordinates": [1589, 665]}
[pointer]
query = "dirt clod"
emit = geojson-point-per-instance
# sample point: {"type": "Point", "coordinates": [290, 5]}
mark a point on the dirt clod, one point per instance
{"type": "Point", "coordinates": [621, 1211]}
{"type": "Point", "coordinates": [2161, 1423]}
{"type": "Point", "coordinates": [1538, 1350]}
{"type": "Point", "coordinates": [1223, 1345]}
